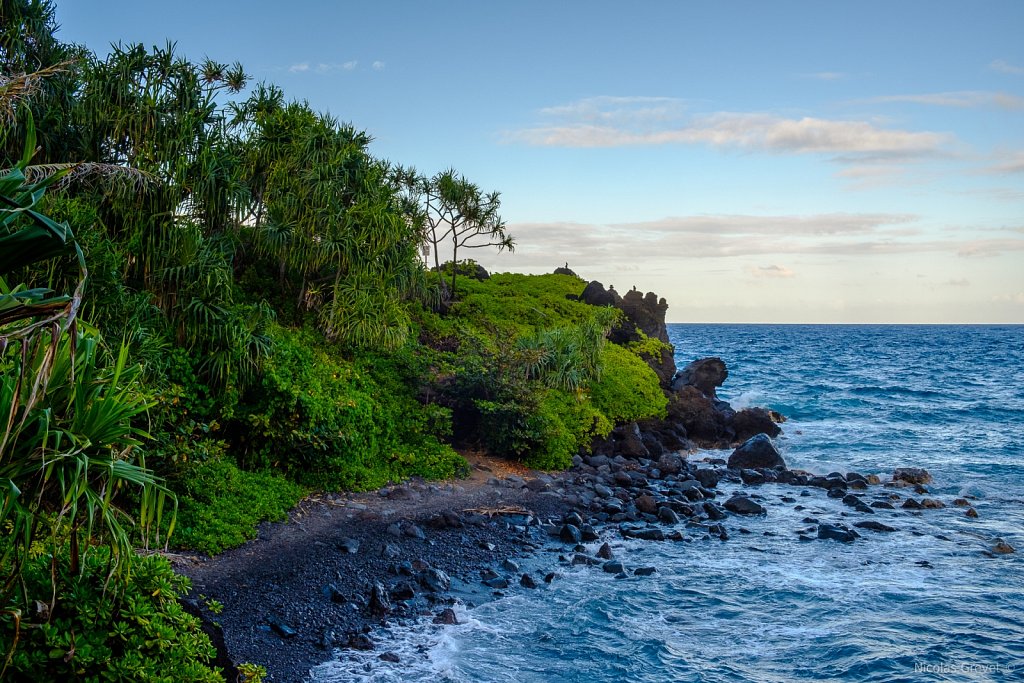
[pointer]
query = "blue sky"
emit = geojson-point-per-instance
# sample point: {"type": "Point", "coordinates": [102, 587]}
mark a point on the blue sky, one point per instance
{"type": "Point", "coordinates": [750, 161]}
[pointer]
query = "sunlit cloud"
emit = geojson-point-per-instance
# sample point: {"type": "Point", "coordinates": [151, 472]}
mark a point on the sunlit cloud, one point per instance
{"type": "Point", "coordinates": [1002, 66]}
{"type": "Point", "coordinates": [620, 122]}
{"type": "Point", "coordinates": [670, 240]}
{"type": "Point", "coordinates": [961, 99]}
{"type": "Point", "coordinates": [299, 68]}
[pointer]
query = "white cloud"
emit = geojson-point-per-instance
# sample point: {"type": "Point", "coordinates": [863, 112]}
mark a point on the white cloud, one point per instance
{"type": "Point", "coordinates": [323, 67]}
{"type": "Point", "coordinates": [1002, 66]}
{"type": "Point", "coordinates": [957, 282]}
{"type": "Point", "coordinates": [1007, 163]}
{"type": "Point", "coordinates": [299, 68]}
{"type": "Point", "coordinates": [772, 271]}
{"type": "Point", "coordinates": [605, 122]}
{"type": "Point", "coordinates": [960, 98]}
{"type": "Point", "coordinates": [666, 242]}
{"type": "Point", "coordinates": [379, 65]}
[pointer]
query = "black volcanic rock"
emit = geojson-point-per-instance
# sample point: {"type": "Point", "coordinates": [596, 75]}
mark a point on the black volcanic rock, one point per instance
{"type": "Point", "coordinates": [757, 452]}
{"type": "Point", "coordinates": [706, 374]}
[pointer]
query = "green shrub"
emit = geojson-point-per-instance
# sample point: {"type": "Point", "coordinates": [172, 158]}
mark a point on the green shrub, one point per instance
{"type": "Point", "coordinates": [628, 389]}
{"type": "Point", "coordinates": [222, 505]}
{"type": "Point", "coordinates": [334, 423]}
{"type": "Point", "coordinates": [89, 626]}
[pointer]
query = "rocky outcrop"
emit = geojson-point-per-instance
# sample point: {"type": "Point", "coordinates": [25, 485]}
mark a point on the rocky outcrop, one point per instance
{"type": "Point", "coordinates": [644, 312]}
{"type": "Point", "coordinates": [706, 374]}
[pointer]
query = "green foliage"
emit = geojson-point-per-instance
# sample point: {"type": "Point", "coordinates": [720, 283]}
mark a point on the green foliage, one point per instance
{"type": "Point", "coordinates": [628, 389]}
{"type": "Point", "coordinates": [85, 625]}
{"type": "Point", "coordinates": [336, 423]}
{"type": "Point", "coordinates": [222, 505]}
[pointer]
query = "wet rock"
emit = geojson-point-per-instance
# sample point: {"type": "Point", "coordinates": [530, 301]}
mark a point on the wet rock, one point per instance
{"type": "Point", "coordinates": [583, 558]}
{"type": "Point", "coordinates": [757, 452]}
{"type": "Point", "coordinates": [526, 581]}
{"type": "Point", "coordinates": [380, 604]}
{"type": "Point", "coordinates": [447, 617]}
{"type": "Point", "coordinates": [389, 657]}
{"type": "Point", "coordinates": [510, 566]}
{"type": "Point", "coordinates": [911, 504]}
{"type": "Point", "coordinates": [1001, 547]}
{"type": "Point", "coordinates": [570, 533]}
{"type": "Point", "coordinates": [644, 534]}
{"type": "Point", "coordinates": [883, 505]}
{"type": "Point", "coordinates": [932, 504]}
{"type": "Point", "coordinates": [962, 503]}
{"type": "Point", "coordinates": [435, 580]}
{"type": "Point", "coordinates": [644, 571]}
{"type": "Point", "coordinates": [874, 526]}
{"type": "Point", "coordinates": [741, 505]}
{"type": "Point", "coordinates": [706, 374]}
{"type": "Point", "coordinates": [613, 567]}
{"type": "Point", "coordinates": [360, 641]}
{"type": "Point", "coordinates": [912, 475]}
{"type": "Point", "coordinates": [714, 512]}
{"type": "Point", "coordinates": [668, 515]}
{"type": "Point", "coordinates": [837, 492]}
{"type": "Point", "coordinates": [851, 500]}
{"type": "Point", "coordinates": [972, 513]}
{"type": "Point", "coordinates": [836, 533]}
{"type": "Point", "coordinates": [752, 477]}
{"type": "Point", "coordinates": [498, 583]}
{"type": "Point", "coordinates": [647, 504]}
{"type": "Point", "coordinates": [670, 464]}
{"type": "Point", "coordinates": [605, 552]}
{"type": "Point", "coordinates": [630, 442]}
{"type": "Point", "coordinates": [551, 576]}
{"type": "Point", "coordinates": [588, 533]}
{"type": "Point", "coordinates": [750, 421]}
{"type": "Point", "coordinates": [708, 478]}
{"type": "Point", "coordinates": [699, 417]}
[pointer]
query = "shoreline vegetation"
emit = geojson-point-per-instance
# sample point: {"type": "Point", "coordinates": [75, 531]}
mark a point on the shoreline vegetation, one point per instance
{"type": "Point", "coordinates": [215, 302]}
{"type": "Point", "coordinates": [218, 311]}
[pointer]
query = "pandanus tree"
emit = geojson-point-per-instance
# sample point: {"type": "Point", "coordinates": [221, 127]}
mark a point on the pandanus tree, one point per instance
{"type": "Point", "coordinates": [455, 214]}
{"type": "Point", "coordinates": [324, 213]}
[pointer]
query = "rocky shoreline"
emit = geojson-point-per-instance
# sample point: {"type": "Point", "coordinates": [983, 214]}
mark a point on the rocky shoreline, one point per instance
{"type": "Point", "coordinates": [345, 566]}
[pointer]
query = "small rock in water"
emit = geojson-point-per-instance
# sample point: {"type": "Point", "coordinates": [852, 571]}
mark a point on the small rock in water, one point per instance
{"type": "Point", "coordinates": [874, 526]}
{"type": "Point", "coordinates": [360, 641]}
{"type": "Point", "coordinates": [447, 617]}
{"type": "Point", "coordinates": [932, 503]}
{"type": "Point", "coordinates": [962, 503]}
{"type": "Point", "coordinates": [613, 567]}
{"type": "Point", "coordinates": [570, 533]}
{"type": "Point", "coordinates": [551, 576]}
{"type": "Point", "coordinates": [644, 571]}
{"type": "Point", "coordinates": [498, 582]}
{"type": "Point", "coordinates": [911, 504]}
{"type": "Point", "coordinates": [742, 505]}
{"type": "Point", "coordinates": [389, 657]}
{"type": "Point", "coordinates": [526, 581]}
{"type": "Point", "coordinates": [588, 533]}
{"type": "Point", "coordinates": [836, 533]}
{"type": "Point", "coordinates": [509, 565]}
{"type": "Point", "coordinates": [668, 515]}
{"type": "Point", "coordinates": [1002, 547]}
{"type": "Point", "coordinates": [972, 513]}
{"type": "Point", "coordinates": [605, 552]}
{"type": "Point", "coordinates": [912, 475]}
{"type": "Point", "coordinates": [883, 505]}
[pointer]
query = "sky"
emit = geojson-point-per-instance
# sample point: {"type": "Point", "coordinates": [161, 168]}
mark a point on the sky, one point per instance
{"type": "Point", "coordinates": [786, 161]}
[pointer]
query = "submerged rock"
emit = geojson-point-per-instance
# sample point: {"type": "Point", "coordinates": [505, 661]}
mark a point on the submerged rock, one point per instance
{"type": "Point", "coordinates": [912, 475]}
{"type": "Point", "coordinates": [757, 452]}
{"type": "Point", "coordinates": [836, 533]}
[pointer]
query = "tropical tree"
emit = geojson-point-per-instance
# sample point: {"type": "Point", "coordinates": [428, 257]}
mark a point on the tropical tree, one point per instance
{"type": "Point", "coordinates": [454, 213]}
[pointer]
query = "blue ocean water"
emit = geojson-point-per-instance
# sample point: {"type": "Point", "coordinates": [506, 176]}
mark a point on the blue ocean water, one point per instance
{"type": "Point", "coordinates": [925, 603]}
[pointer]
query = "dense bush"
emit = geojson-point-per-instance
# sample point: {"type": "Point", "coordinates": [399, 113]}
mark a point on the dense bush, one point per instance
{"type": "Point", "coordinates": [91, 626]}
{"type": "Point", "coordinates": [335, 423]}
{"type": "Point", "coordinates": [221, 505]}
{"type": "Point", "coordinates": [628, 389]}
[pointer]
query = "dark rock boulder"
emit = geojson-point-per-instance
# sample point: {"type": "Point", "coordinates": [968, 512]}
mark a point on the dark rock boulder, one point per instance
{"type": "Point", "coordinates": [751, 421]}
{"type": "Point", "coordinates": [596, 295]}
{"type": "Point", "coordinates": [646, 312]}
{"type": "Point", "coordinates": [629, 441]}
{"type": "Point", "coordinates": [447, 617]}
{"type": "Point", "coordinates": [698, 415]}
{"type": "Point", "coordinates": [708, 478]}
{"type": "Point", "coordinates": [565, 271]}
{"type": "Point", "coordinates": [380, 602]}
{"type": "Point", "coordinates": [836, 533]}
{"type": "Point", "coordinates": [707, 374]}
{"type": "Point", "coordinates": [874, 526]}
{"type": "Point", "coordinates": [741, 505]}
{"type": "Point", "coordinates": [757, 452]}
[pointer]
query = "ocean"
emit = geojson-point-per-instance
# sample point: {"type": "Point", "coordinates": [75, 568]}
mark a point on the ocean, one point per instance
{"type": "Point", "coordinates": [924, 603]}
